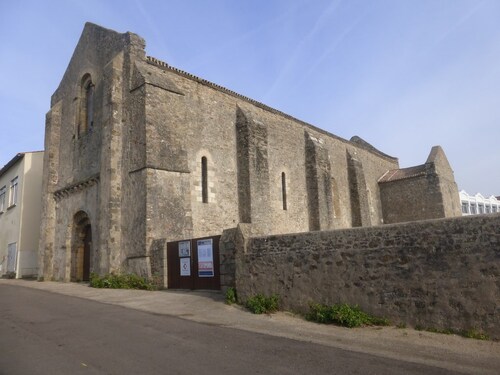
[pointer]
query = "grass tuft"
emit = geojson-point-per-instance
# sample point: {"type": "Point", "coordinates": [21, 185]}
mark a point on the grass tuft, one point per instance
{"type": "Point", "coordinates": [231, 296]}
{"type": "Point", "coordinates": [343, 315]}
{"type": "Point", "coordinates": [260, 304]}
{"type": "Point", "coordinates": [121, 281]}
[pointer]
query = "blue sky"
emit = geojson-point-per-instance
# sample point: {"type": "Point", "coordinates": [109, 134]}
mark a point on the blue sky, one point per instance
{"type": "Point", "coordinates": [402, 74]}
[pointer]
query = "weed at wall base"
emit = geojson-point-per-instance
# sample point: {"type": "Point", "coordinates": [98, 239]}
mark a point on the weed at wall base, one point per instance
{"type": "Point", "coordinates": [470, 334]}
{"type": "Point", "coordinates": [475, 334]}
{"type": "Point", "coordinates": [343, 315]}
{"type": "Point", "coordinates": [231, 296]}
{"type": "Point", "coordinates": [121, 281]}
{"type": "Point", "coordinates": [260, 304]}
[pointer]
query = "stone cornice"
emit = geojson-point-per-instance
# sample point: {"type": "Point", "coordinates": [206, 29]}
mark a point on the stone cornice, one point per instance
{"type": "Point", "coordinates": [76, 187]}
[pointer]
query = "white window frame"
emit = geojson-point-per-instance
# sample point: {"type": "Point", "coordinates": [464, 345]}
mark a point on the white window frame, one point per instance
{"type": "Point", "coordinates": [480, 208]}
{"type": "Point", "coordinates": [473, 208]}
{"type": "Point", "coordinates": [14, 190]}
{"type": "Point", "coordinates": [3, 194]}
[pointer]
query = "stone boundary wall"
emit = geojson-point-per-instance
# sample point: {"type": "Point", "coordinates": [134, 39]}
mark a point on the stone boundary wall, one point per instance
{"type": "Point", "coordinates": [227, 251]}
{"type": "Point", "coordinates": [441, 273]}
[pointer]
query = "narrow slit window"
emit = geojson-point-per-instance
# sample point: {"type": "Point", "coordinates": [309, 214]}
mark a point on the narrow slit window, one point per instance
{"type": "Point", "coordinates": [89, 105]}
{"type": "Point", "coordinates": [204, 180]}
{"type": "Point", "coordinates": [86, 121]}
{"type": "Point", "coordinates": [283, 189]}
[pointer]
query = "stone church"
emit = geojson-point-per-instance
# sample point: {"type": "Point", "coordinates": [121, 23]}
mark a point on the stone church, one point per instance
{"type": "Point", "coordinates": [137, 151]}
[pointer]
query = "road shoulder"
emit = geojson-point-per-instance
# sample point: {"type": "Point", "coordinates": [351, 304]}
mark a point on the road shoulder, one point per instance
{"type": "Point", "coordinates": [446, 351]}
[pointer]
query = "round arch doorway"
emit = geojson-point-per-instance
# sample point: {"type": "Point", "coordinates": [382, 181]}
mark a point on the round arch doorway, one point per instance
{"type": "Point", "coordinates": [81, 248]}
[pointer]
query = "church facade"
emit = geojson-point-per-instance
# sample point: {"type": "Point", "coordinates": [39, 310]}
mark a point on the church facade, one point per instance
{"type": "Point", "coordinates": [137, 151]}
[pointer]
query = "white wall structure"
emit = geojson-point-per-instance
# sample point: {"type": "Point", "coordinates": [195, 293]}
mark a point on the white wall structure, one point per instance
{"type": "Point", "coordinates": [478, 204]}
{"type": "Point", "coordinates": [20, 212]}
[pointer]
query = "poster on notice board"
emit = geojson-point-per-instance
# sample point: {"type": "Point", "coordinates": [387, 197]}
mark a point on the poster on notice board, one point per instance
{"type": "Point", "coordinates": [205, 258]}
{"type": "Point", "coordinates": [185, 266]}
{"type": "Point", "coordinates": [184, 249]}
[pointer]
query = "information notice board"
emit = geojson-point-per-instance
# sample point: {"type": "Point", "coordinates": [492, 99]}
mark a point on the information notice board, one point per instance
{"type": "Point", "coordinates": [205, 258]}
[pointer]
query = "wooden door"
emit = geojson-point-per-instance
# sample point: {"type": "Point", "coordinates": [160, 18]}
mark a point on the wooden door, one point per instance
{"type": "Point", "coordinates": [87, 245]}
{"type": "Point", "coordinates": [194, 264]}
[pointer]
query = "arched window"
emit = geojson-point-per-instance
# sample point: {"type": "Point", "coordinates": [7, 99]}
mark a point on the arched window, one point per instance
{"type": "Point", "coordinates": [283, 189]}
{"type": "Point", "coordinates": [204, 180]}
{"type": "Point", "coordinates": [86, 105]}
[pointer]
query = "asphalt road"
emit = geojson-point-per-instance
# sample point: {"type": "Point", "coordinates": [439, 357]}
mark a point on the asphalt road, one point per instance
{"type": "Point", "coordinates": [47, 333]}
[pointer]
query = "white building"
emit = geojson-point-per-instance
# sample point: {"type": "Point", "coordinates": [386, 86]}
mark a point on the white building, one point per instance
{"type": "Point", "coordinates": [477, 204]}
{"type": "Point", "coordinates": [20, 211]}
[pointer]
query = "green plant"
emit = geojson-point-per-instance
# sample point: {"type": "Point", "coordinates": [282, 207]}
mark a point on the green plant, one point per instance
{"type": "Point", "coordinates": [401, 325]}
{"type": "Point", "coordinates": [319, 313]}
{"type": "Point", "coordinates": [231, 296]}
{"type": "Point", "coordinates": [378, 321]}
{"type": "Point", "coordinates": [343, 315]}
{"type": "Point", "coordinates": [474, 334]}
{"type": "Point", "coordinates": [121, 281]}
{"type": "Point", "coordinates": [260, 304]}
{"type": "Point", "coordinates": [445, 331]}
{"type": "Point", "coordinates": [470, 334]}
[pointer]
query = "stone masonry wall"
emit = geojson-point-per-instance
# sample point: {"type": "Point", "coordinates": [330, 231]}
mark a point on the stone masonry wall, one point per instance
{"type": "Point", "coordinates": [227, 250]}
{"type": "Point", "coordinates": [417, 198]}
{"type": "Point", "coordinates": [77, 157]}
{"type": "Point", "coordinates": [178, 157]}
{"type": "Point", "coordinates": [441, 273]}
{"type": "Point", "coordinates": [254, 154]}
{"type": "Point", "coordinates": [426, 192]}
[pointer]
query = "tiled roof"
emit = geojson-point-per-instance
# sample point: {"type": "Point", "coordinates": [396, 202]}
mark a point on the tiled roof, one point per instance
{"type": "Point", "coordinates": [403, 173]}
